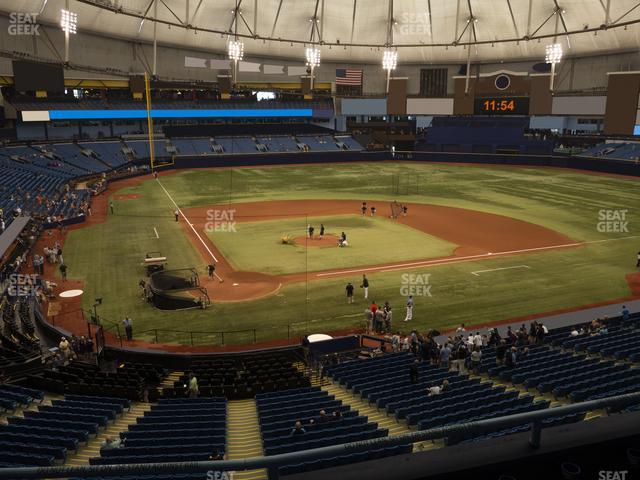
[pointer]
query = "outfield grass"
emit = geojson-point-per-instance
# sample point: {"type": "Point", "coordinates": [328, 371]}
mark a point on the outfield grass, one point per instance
{"type": "Point", "coordinates": [256, 246]}
{"type": "Point", "coordinates": [108, 256]}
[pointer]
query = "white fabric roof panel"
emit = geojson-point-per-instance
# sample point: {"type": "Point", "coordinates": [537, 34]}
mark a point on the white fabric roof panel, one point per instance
{"type": "Point", "coordinates": [414, 25]}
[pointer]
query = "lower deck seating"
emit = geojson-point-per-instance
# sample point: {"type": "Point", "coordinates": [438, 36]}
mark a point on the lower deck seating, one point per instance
{"type": "Point", "coordinates": [325, 421]}
{"type": "Point", "coordinates": [128, 381]}
{"type": "Point", "coordinates": [44, 436]}
{"type": "Point", "coordinates": [242, 377]}
{"type": "Point", "coordinates": [174, 430]}
{"type": "Point", "coordinates": [386, 381]}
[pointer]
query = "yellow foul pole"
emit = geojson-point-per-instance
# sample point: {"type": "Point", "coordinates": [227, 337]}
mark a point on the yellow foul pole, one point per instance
{"type": "Point", "coordinates": [147, 93]}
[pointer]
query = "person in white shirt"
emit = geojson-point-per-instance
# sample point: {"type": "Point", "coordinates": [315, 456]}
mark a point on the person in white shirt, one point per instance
{"type": "Point", "coordinates": [438, 389]}
{"type": "Point", "coordinates": [395, 342]}
{"type": "Point", "coordinates": [409, 315]}
{"type": "Point", "coordinates": [574, 332]}
{"type": "Point", "coordinates": [461, 328]}
{"type": "Point", "coordinates": [476, 357]}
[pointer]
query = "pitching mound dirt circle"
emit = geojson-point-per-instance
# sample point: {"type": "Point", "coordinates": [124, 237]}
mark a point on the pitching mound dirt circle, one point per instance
{"type": "Point", "coordinates": [327, 241]}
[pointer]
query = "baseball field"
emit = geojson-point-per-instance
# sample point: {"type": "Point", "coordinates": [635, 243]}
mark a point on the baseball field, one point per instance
{"type": "Point", "coordinates": [479, 244]}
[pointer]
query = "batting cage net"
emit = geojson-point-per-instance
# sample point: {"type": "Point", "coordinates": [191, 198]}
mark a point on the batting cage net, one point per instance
{"type": "Point", "coordinates": [396, 209]}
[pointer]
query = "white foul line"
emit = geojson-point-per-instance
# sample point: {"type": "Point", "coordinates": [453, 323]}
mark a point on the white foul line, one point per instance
{"type": "Point", "coordinates": [424, 263]}
{"type": "Point", "coordinates": [188, 221]}
{"type": "Point", "coordinates": [478, 272]}
{"type": "Point", "coordinates": [156, 232]}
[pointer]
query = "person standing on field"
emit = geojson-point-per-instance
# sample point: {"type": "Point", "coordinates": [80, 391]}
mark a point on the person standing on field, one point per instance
{"type": "Point", "coordinates": [176, 213]}
{"type": "Point", "coordinates": [321, 231]}
{"type": "Point", "coordinates": [128, 327]}
{"type": "Point", "coordinates": [63, 272]}
{"type": "Point", "coordinates": [349, 290]}
{"type": "Point", "coordinates": [365, 286]}
{"type": "Point", "coordinates": [211, 268]}
{"type": "Point", "coordinates": [111, 207]}
{"type": "Point", "coordinates": [409, 315]}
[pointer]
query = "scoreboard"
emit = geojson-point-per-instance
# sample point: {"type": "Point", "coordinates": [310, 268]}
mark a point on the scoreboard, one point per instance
{"type": "Point", "coordinates": [501, 106]}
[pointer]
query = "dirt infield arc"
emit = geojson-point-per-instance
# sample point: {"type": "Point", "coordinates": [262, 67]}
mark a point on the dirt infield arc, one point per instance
{"type": "Point", "coordinates": [477, 234]}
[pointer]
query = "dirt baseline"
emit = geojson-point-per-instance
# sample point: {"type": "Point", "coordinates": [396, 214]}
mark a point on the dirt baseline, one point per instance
{"type": "Point", "coordinates": [477, 234]}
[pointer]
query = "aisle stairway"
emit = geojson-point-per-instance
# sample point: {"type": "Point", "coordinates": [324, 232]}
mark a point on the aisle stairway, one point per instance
{"type": "Point", "coordinates": [92, 448]}
{"type": "Point", "coordinates": [243, 436]}
{"type": "Point", "coordinates": [169, 380]}
{"type": "Point", "coordinates": [376, 415]}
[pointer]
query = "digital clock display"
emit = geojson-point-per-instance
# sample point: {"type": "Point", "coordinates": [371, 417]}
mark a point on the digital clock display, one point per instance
{"type": "Point", "coordinates": [501, 106]}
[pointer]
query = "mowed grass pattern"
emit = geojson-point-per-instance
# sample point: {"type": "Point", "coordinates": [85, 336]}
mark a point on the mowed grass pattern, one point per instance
{"type": "Point", "coordinates": [108, 256]}
{"type": "Point", "coordinates": [256, 246]}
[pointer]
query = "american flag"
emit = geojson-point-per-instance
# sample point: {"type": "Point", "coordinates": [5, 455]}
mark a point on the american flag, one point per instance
{"type": "Point", "coordinates": [348, 76]}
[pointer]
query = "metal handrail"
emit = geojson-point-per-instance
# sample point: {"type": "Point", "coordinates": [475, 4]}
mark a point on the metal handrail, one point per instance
{"type": "Point", "coordinates": [271, 463]}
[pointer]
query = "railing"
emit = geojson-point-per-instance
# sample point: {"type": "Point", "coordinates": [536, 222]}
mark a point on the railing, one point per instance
{"type": "Point", "coordinates": [250, 332]}
{"type": "Point", "coordinates": [272, 463]}
{"type": "Point", "coordinates": [186, 337]}
{"type": "Point", "coordinates": [214, 337]}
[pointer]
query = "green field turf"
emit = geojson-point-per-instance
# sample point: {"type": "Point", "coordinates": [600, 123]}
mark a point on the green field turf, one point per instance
{"type": "Point", "coordinates": [256, 246]}
{"type": "Point", "coordinates": [108, 256]}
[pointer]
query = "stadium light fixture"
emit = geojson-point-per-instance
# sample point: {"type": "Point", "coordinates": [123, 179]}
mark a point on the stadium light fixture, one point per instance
{"type": "Point", "coordinates": [389, 62]}
{"type": "Point", "coordinates": [69, 24]}
{"type": "Point", "coordinates": [236, 50]}
{"type": "Point", "coordinates": [313, 61]}
{"type": "Point", "coordinates": [553, 55]}
{"type": "Point", "coordinates": [236, 53]}
{"type": "Point", "coordinates": [68, 21]}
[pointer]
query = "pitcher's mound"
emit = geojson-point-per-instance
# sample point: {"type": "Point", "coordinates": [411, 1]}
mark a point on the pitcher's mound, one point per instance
{"type": "Point", "coordinates": [329, 240]}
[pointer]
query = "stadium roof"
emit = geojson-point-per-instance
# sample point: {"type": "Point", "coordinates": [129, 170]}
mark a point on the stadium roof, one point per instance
{"type": "Point", "coordinates": [358, 30]}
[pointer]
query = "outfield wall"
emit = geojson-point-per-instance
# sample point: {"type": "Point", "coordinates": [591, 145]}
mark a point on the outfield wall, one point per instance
{"type": "Point", "coordinates": [621, 167]}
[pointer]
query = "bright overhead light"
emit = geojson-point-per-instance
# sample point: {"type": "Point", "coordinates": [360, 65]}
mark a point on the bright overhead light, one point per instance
{"type": "Point", "coordinates": [313, 57]}
{"type": "Point", "coordinates": [553, 53]}
{"type": "Point", "coordinates": [389, 59]}
{"type": "Point", "coordinates": [236, 50]}
{"type": "Point", "coordinates": [68, 21]}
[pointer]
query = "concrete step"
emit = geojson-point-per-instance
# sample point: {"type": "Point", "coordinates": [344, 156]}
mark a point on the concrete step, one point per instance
{"type": "Point", "coordinates": [243, 436]}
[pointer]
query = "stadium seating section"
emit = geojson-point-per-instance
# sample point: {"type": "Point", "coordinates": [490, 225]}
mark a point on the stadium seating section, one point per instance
{"type": "Point", "coordinates": [279, 411]}
{"type": "Point", "coordinates": [174, 430]}
{"type": "Point", "coordinates": [18, 343]}
{"type": "Point", "coordinates": [128, 381]}
{"type": "Point", "coordinates": [29, 174]}
{"type": "Point", "coordinates": [385, 382]}
{"type": "Point", "coordinates": [569, 367]}
{"type": "Point", "coordinates": [44, 436]}
{"type": "Point", "coordinates": [614, 150]}
{"type": "Point", "coordinates": [242, 377]}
